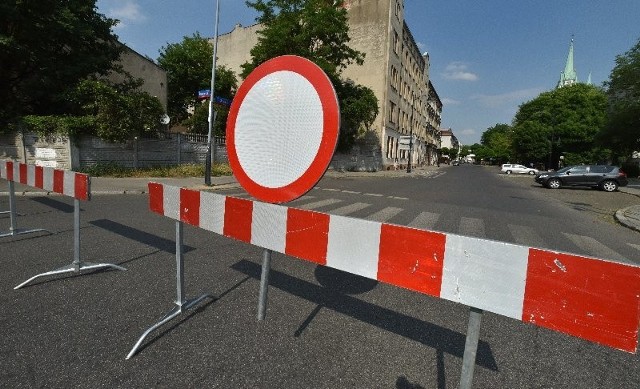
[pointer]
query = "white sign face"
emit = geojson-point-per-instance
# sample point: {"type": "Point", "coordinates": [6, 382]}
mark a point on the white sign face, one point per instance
{"type": "Point", "coordinates": [282, 129]}
{"type": "Point", "coordinates": [53, 164]}
{"type": "Point", "coordinates": [269, 158]}
{"type": "Point", "coordinates": [45, 153]}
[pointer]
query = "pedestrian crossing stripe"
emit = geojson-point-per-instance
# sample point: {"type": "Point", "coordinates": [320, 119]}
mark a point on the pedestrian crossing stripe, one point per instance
{"type": "Point", "coordinates": [523, 235]}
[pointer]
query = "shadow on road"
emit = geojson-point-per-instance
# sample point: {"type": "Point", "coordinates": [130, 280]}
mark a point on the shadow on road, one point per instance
{"type": "Point", "coordinates": [442, 339]}
{"type": "Point", "coordinates": [55, 204]}
{"type": "Point", "coordinates": [143, 237]}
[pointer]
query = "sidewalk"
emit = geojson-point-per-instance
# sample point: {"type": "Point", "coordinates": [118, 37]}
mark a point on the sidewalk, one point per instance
{"type": "Point", "coordinates": [110, 185]}
{"type": "Point", "coordinates": [629, 217]}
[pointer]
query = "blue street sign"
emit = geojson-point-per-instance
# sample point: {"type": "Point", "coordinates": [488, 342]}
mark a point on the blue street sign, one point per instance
{"type": "Point", "coordinates": [204, 94]}
{"type": "Point", "coordinates": [222, 100]}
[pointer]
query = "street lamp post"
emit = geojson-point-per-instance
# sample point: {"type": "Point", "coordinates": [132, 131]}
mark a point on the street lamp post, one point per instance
{"type": "Point", "coordinates": [211, 150]}
{"type": "Point", "coordinates": [413, 107]}
{"type": "Point", "coordinates": [410, 145]}
{"type": "Point", "coordinates": [551, 153]}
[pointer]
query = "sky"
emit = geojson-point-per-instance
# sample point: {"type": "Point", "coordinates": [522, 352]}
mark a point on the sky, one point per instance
{"type": "Point", "coordinates": [487, 57]}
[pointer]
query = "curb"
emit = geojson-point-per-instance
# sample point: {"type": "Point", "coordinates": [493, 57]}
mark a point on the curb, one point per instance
{"type": "Point", "coordinates": [626, 221]}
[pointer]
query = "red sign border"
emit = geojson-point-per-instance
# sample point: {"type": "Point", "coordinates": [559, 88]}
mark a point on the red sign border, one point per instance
{"type": "Point", "coordinates": [331, 125]}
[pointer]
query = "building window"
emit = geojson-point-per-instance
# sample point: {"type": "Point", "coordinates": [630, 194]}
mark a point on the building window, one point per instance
{"type": "Point", "coordinates": [396, 43]}
{"type": "Point", "coordinates": [394, 78]}
{"type": "Point", "coordinates": [392, 110]}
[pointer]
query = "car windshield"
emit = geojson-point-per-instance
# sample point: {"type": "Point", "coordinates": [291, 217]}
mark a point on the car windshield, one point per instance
{"type": "Point", "coordinates": [564, 169]}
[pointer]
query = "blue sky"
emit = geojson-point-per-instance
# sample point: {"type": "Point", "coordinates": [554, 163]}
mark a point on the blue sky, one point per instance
{"type": "Point", "coordinates": [487, 57]}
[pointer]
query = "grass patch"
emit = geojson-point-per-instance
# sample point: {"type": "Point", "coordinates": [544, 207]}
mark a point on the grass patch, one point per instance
{"type": "Point", "coordinates": [186, 170]}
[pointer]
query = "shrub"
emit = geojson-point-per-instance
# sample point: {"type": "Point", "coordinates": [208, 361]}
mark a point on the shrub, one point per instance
{"type": "Point", "coordinates": [632, 168]}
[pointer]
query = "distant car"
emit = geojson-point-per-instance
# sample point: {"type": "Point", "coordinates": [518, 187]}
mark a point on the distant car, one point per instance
{"type": "Point", "coordinates": [605, 177]}
{"type": "Point", "coordinates": [509, 168]}
{"type": "Point", "coordinates": [455, 163]}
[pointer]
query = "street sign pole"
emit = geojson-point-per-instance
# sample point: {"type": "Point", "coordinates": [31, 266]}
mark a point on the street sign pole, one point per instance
{"type": "Point", "coordinates": [211, 153]}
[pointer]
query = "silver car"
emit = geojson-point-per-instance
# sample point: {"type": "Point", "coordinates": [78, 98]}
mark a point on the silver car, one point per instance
{"type": "Point", "coordinates": [509, 168]}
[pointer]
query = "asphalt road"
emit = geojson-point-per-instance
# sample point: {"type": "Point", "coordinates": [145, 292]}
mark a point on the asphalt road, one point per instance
{"type": "Point", "coordinates": [478, 201]}
{"type": "Point", "coordinates": [324, 328]}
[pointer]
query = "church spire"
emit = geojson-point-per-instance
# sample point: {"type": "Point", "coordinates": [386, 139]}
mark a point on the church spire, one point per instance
{"type": "Point", "coordinates": [568, 76]}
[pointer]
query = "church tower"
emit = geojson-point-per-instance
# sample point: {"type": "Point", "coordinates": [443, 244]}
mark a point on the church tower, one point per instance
{"type": "Point", "coordinates": [568, 76]}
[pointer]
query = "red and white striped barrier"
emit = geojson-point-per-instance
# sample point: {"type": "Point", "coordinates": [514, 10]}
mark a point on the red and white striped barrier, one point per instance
{"type": "Point", "coordinates": [66, 182]}
{"type": "Point", "coordinates": [589, 298]}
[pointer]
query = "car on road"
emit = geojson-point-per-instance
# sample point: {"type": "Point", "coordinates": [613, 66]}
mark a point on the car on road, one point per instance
{"type": "Point", "coordinates": [605, 177]}
{"type": "Point", "coordinates": [509, 168]}
{"type": "Point", "coordinates": [455, 163]}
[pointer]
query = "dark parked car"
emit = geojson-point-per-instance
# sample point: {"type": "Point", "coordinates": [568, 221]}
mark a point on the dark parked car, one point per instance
{"type": "Point", "coordinates": [607, 178]}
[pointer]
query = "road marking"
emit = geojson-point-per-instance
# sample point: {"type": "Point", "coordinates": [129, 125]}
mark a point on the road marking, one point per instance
{"type": "Point", "coordinates": [635, 246]}
{"type": "Point", "coordinates": [525, 235]}
{"type": "Point", "coordinates": [238, 194]}
{"type": "Point", "coordinates": [302, 199]}
{"type": "Point", "coordinates": [330, 189]}
{"type": "Point", "coordinates": [397, 198]}
{"type": "Point", "coordinates": [319, 204]}
{"type": "Point", "coordinates": [425, 220]}
{"type": "Point", "coordinates": [374, 194]}
{"type": "Point", "coordinates": [593, 246]}
{"type": "Point", "coordinates": [351, 192]}
{"type": "Point", "coordinates": [384, 214]}
{"type": "Point", "coordinates": [348, 209]}
{"type": "Point", "coordinates": [470, 226]}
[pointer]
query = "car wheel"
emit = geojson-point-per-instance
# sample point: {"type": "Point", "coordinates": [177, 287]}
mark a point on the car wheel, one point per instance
{"type": "Point", "coordinates": [531, 173]}
{"type": "Point", "coordinates": [508, 172]}
{"type": "Point", "coordinates": [554, 183]}
{"type": "Point", "coordinates": [609, 186]}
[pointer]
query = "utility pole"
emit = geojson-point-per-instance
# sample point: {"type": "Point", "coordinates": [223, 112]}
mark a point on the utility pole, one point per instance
{"type": "Point", "coordinates": [413, 108]}
{"type": "Point", "coordinates": [211, 154]}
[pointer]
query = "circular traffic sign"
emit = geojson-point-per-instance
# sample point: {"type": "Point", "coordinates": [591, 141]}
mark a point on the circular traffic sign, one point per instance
{"type": "Point", "coordinates": [282, 129]}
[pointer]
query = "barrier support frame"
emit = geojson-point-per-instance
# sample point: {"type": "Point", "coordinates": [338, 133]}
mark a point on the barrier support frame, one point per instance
{"type": "Point", "coordinates": [264, 284]}
{"type": "Point", "coordinates": [77, 265]}
{"type": "Point", "coordinates": [470, 348]}
{"type": "Point", "coordinates": [182, 304]}
{"type": "Point", "coordinates": [13, 229]}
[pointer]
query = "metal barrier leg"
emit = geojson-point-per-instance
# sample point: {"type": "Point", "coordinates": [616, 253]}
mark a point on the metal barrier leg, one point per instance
{"type": "Point", "coordinates": [14, 230]}
{"type": "Point", "coordinates": [182, 304]}
{"type": "Point", "coordinates": [264, 284]}
{"type": "Point", "coordinates": [77, 265]}
{"type": "Point", "coordinates": [470, 348]}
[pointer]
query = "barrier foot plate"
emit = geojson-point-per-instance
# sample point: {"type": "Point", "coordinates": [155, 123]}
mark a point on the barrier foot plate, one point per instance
{"type": "Point", "coordinates": [21, 231]}
{"type": "Point", "coordinates": [72, 268]}
{"type": "Point", "coordinates": [176, 311]}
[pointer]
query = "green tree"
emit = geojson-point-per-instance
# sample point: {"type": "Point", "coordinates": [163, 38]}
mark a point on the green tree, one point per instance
{"type": "Point", "coordinates": [466, 150]}
{"type": "Point", "coordinates": [359, 108]}
{"type": "Point", "coordinates": [319, 31]}
{"type": "Point", "coordinates": [314, 29]}
{"type": "Point", "coordinates": [118, 112]}
{"type": "Point", "coordinates": [46, 48]}
{"type": "Point", "coordinates": [562, 121]}
{"type": "Point", "coordinates": [497, 140]}
{"type": "Point", "coordinates": [623, 91]}
{"type": "Point", "coordinates": [188, 66]}
{"type": "Point", "coordinates": [198, 122]}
